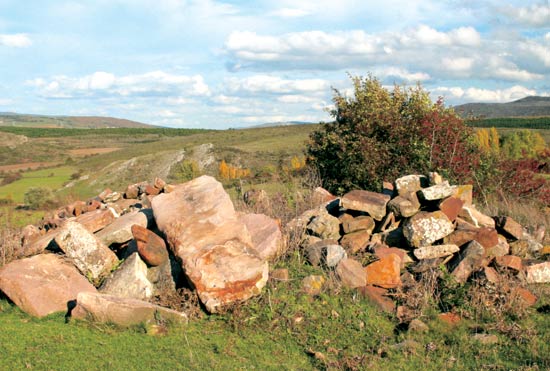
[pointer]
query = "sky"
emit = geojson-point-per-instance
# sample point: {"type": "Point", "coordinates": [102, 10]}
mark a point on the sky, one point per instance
{"type": "Point", "coordinates": [228, 64]}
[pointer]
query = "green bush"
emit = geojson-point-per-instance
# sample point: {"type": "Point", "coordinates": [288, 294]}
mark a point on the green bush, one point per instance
{"type": "Point", "coordinates": [39, 197]}
{"type": "Point", "coordinates": [380, 135]}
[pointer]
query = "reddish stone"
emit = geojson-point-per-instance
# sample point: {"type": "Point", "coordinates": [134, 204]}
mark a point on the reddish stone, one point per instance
{"type": "Point", "coordinates": [487, 237]}
{"type": "Point", "coordinates": [151, 190]}
{"type": "Point", "coordinates": [491, 275]}
{"type": "Point", "coordinates": [93, 205]}
{"type": "Point", "coordinates": [355, 242]}
{"type": "Point", "coordinates": [132, 191]}
{"type": "Point", "coordinates": [451, 206]}
{"type": "Point", "coordinates": [460, 237]}
{"type": "Point", "coordinates": [159, 184]}
{"type": "Point", "coordinates": [151, 248]}
{"type": "Point", "coordinates": [104, 194]}
{"type": "Point", "coordinates": [525, 296]}
{"type": "Point", "coordinates": [96, 220]}
{"type": "Point", "coordinates": [509, 227]}
{"type": "Point", "coordinates": [470, 260]}
{"type": "Point", "coordinates": [321, 196]}
{"type": "Point", "coordinates": [385, 272]}
{"type": "Point", "coordinates": [381, 251]}
{"type": "Point", "coordinates": [465, 193]}
{"type": "Point", "coordinates": [377, 296]}
{"type": "Point", "coordinates": [510, 261]}
{"type": "Point", "coordinates": [450, 318]}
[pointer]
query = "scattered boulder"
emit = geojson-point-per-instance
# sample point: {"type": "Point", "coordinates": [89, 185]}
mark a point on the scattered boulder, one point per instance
{"type": "Point", "coordinates": [410, 184]}
{"type": "Point", "coordinates": [42, 284]}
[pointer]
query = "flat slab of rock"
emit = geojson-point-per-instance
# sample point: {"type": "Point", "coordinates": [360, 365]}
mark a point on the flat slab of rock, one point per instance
{"type": "Point", "coordinates": [425, 228]}
{"type": "Point", "coordinates": [214, 245]}
{"type": "Point", "coordinates": [436, 192]}
{"type": "Point", "coordinates": [351, 273]}
{"type": "Point", "coordinates": [469, 260]}
{"type": "Point", "coordinates": [385, 272]}
{"type": "Point", "coordinates": [96, 220]}
{"type": "Point", "coordinates": [475, 217]}
{"type": "Point", "coordinates": [88, 254]}
{"type": "Point", "coordinates": [267, 238]}
{"type": "Point", "coordinates": [38, 244]}
{"type": "Point", "coordinates": [509, 227]}
{"type": "Point", "coordinates": [370, 202]}
{"type": "Point", "coordinates": [356, 241]}
{"type": "Point", "coordinates": [122, 311]}
{"type": "Point", "coordinates": [434, 252]}
{"type": "Point", "coordinates": [120, 230]}
{"type": "Point", "coordinates": [150, 246]}
{"type": "Point", "coordinates": [42, 284]}
{"type": "Point", "coordinates": [360, 223]}
{"type": "Point", "coordinates": [129, 280]}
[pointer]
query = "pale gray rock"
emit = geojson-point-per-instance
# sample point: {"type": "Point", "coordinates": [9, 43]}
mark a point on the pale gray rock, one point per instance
{"type": "Point", "coordinates": [120, 230]}
{"type": "Point", "coordinates": [425, 228]}
{"type": "Point", "coordinates": [434, 252]}
{"type": "Point", "coordinates": [129, 280]}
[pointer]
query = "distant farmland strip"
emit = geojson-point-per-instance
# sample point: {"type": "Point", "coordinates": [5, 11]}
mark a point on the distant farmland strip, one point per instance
{"type": "Point", "coordinates": [62, 132]}
{"type": "Point", "coordinates": [512, 122]}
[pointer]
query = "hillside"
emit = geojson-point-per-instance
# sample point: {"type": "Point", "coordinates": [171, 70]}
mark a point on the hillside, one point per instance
{"type": "Point", "coordinates": [533, 106]}
{"type": "Point", "coordinates": [76, 122]}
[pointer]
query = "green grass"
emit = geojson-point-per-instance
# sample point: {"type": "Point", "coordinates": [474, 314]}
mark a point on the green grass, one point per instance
{"type": "Point", "coordinates": [53, 178]}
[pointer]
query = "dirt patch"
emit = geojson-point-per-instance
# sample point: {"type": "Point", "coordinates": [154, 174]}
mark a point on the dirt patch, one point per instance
{"type": "Point", "coordinates": [26, 166]}
{"type": "Point", "coordinates": [91, 151]}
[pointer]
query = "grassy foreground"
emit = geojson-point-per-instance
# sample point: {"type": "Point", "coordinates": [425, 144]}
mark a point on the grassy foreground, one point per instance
{"type": "Point", "coordinates": [284, 329]}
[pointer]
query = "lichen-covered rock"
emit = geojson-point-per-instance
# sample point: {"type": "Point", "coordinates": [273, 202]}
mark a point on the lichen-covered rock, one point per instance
{"type": "Point", "coordinates": [433, 252]}
{"type": "Point", "coordinates": [425, 228]}
{"type": "Point", "coordinates": [324, 226]}
{"type": "Point", "coordinates": [129, 280]}
{"type": "Point", "coordinates": [370, 202]}
{"type": "Point", "coordinates": [88, 254]}
{"type": "Point", "coordinates": [410, 184]}
{"type": "Point", "coordinates": [42, 284]}
{"type": "Point", "coordinates": [538, 272]}
{"type": "Point", "coordinates": [436, 192]}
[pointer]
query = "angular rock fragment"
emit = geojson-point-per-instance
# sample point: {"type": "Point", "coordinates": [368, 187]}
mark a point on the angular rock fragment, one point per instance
{"type": "Point", "coordinates": [42, 284]}
{"type": "Point", "coordinates": [385, 272]}
{"type": "Point", "coordinates": [105, 308]}
{"type": "Point", "coordinates": [433, 252]}
{"type": "Point", "coordinates": [129, 280]}
{"type": "Point", "coordinates": [267, 238]}
{"type": "Point", "coordinates": [360, 223]}
{"type": "Point", "coordinates": [351, 273]}
{"type": "Point", "coordinates": [436, 192]}
{"type": "Point", "coordinates": [96, 220]}
{"type": "Point", "coordinates": [312, 285]}
{"type": "Point", "coordinates": [467, 262]}
{"type": "Point", "coordinates": [476, 218]}
{"type": "Point", "coordinates": [451, 206]}
{"type": "Point", "coordinates": [356, 241]}
{"type": "Point", "coordinates": [370, 202]}
{"type": "Point", "coordinates": [213, 244]}
{"type": "Point", "coordinates": [324, 226]}
{"type": "Point", "coordinates": [150, 246]}
{"type": "Point", "coordinates": [403, 207]}
{"type": "Point", "coordinates": [510, 261]}
{"type": "Point", "coordinates": [377, 296]}
{"type": "Point", "coordinates": [410, 184]}
{"type": "Point", "coordinates": [538, 272]}
{"type": "Point", "coordinates": [509, 227]}
{"type": "Point", "coordinates": [120, 230]}
{"type": "Point", "coordinates": [425, 228]}
{"type": "Point", "coordinates": [87, 253]}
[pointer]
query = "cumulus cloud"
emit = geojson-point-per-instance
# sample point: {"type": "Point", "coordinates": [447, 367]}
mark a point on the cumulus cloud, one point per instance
{"type": "Point", "coordinates": [485, 95]}
{"type": "Point", "coordinates": [275, 85]}
{"type": "Point", "coordinates": [18, 40]}
{"type": "Point", "coordinates": [535, 15]}
{"type": "Point", "coordinates": [104, 84]}
{"type": "Point", "coordinates": [290, 12]}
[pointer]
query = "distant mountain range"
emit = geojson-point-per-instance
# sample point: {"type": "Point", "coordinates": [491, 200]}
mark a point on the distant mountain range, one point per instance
{"type": "Point", "coordinates": [75, 122]}
{"type": "Point", "coordinates": [532, 106]}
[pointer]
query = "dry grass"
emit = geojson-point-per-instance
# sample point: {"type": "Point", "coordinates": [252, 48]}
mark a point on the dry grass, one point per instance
{"type": "Point", "coordinates": [10, 248]}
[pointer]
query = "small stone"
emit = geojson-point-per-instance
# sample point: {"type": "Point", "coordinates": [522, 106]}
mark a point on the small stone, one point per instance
{"type": "Point", "coordinates": [151, 190]}
{"type": "Point", "coordinates": [416, 326]}
{"type": "Point", "coordinates": [370, 202]}
{"type": "Point", "coordinates": [509, 227]}
{"type": "Point", "coordinates": [478, 219]}
{"type": "Point", "coordinates": [500, 249]}
{"type": "Point", "coordinates": [132, 191]}
{"type": "Point", "coordinates": [451, 206]}
{"type": "Point", "coordinates": [436, 192]}
{"type": "Point", "coordinates": [510, 261]}
{"type": "Point", "coordinates": [403, 207]}
{"type": "Point", "coordinates": [470, 260]}
{"type": "Point", "coordinates": [449, 318]}
{"type": "Point", "coordinates": [159, 184]}
{"type": "Point", "coordinates": [437, 251]}
{"type": "Point", "coordinates": [334, 254]}
{"type": "Point", "coordinates": [321, 196]}
{"type": "Point", "coordinates": [96, 220]}
{"type": "Point", "coordinates": [381, 251]}
{"type": "Point", "coordinates": [267, 238]}
{"type": "Point", "coordinates": [385, 272]}
{"type": "Point", "coordinates": [325, 226]}
{"type": "Point", "coordinates": [356, 241]}
{"type": "Point", "coordinates": [360, 223]}
{"type": "Point", "coordinates": [312, 285]}
{"type": "Point", "coordinates": [93, 204]}
{"type": "Point", "coordinates": [410, 184]}
{"type": "Point", "coordinates": [491, 275]}
{"type": "Point", "coordinates": [425, 228]}
{"type": "Point", "coordinates": [351, 273]}
{"type": "Point", "coordinates": [112, 197]}
{"type": "Point", "coordinates": [150, 246]}
{"type": "Point", "coordinates": [538, 272]}
{"type": "Point", "coordinates": [280, 274]}
{"type": "Point", "coordinates": [525, 296]}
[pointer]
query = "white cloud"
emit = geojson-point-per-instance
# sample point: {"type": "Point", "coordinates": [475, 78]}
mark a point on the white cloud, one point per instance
{"type": "Point", "coordinates": [275, 85]}
{"type": "Point", "coordinates": [458, 64]}
{"type": "Point", "coordinates": [292, 99]}
{"type": "Point", "coordinates": [427, 35]}
{"type": "Point", "coordinates": [290, 12]}
{"type": "Point", "coordinates": [485, 95]}
{"type": "Point", "coordinates": [6, 102]}
{"type": "Point", "coordinates": [18, 40]}
{"type": "Point", "coordinates": [402, 75]}
{"type": "Point", "coordinates": [535, 15]}
{"type": "Point", "coordinates": [104, 84]}
{"type": "Point", "coordinates": [515, 74]}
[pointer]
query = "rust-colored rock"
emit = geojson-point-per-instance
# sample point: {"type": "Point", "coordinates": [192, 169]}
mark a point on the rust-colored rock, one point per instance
{"type": "Point", "coordinates": [93, 204]}
{"type": "Point", "coordinates": [451, 206]}
{"type": "Point", "coordinates": [467, 262]}
{"type": "Point", "coordinates": [96, 220]}
{"type": "Point", "coordinates": [487, 237]}
{"type": "Point", "coordinates": [42, 284]}
{"type": "Point", "coordinates": [132, 191]}
{"type": "Point", "coordinates": [150, 246]}
{"type": "Point", "coordinates": [370, 202]}
{"type": "Point", "coordinates": [385, 272]}
{"type": "Point", "coordinates": [525, 296]}
{"type": "Point", "coordinates": [509, 261]}
{"type": "Point", "coordinates": [449, 318]}
{"type": "Point", "coordinates": [159, 183]}
{"type": "Point", "coordinates": [509, 227]}
{"type": "Point", "coordinates": [351, 273]}
{"type": "Point", "coordinates": [151, 190]}
{"type": "Point", "coordinates": [382, 251]}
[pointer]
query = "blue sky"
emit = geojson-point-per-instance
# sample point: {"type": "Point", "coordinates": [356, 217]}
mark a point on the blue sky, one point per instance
{"type": "Point", "coordinates": [214, 64]}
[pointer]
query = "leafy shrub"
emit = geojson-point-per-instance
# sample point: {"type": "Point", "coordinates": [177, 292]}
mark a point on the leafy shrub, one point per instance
{"type": "Point", "coordinates": [39, 197]}
{"type": "Point", "coordinates": [379, 135]}
{"type": "Point", "coordinates": [184, 171]}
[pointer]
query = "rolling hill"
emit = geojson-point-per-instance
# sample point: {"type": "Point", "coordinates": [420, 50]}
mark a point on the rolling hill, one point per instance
{"type": "Point", "coordinates": [75, 122]}
{"type": "Point", "coordinates": [533, 106]}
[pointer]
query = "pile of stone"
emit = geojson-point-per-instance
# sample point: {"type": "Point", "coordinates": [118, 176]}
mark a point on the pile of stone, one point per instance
{"type": "Point", "coordinates": [374, 241]}
{"type": "Point", "coordinates": [108, 257]}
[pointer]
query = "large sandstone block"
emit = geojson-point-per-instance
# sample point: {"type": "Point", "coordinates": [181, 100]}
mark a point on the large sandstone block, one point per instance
{"type": "Point", "coordinates": [42, 284]}
{"type": "Point", "coordinates": [370, 202]}
{"type": "Point", "coordinates": [122, 311]}
{"type": "Point", "coordinates": [214, 245]}
{"type": "Point", "coordinates": [88, 254]}
{"type": "Point", "coordinates": [425, 228]}
{"type": "Point", "coordinates": [96, 220]}
{"type": "Point", "coordinates": [120, 230]}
